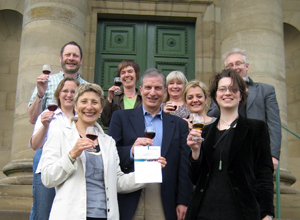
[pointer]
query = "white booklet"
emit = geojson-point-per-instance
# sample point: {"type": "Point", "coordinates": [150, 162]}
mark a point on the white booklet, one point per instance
{"type": "Point", "coordinates": [147, 168]}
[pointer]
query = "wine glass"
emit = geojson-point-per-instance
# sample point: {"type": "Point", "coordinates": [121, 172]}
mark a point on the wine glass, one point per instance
{"type": "Point", "coordinates": [46, 69]}
{"type": "Point", "coordinates": [149, 132]}
{"type": "Point", "coordinates": [51, 106]}
{"type": "Point", "coordinates": [91, 133]}
{"type": "Point", "coordinates": [198, 123]}
{"type": "Point", "coordinates": [118, 82]}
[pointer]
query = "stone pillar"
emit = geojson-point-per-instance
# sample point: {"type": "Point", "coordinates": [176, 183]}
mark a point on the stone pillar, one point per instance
{"type": "Point", "coordinates": [257, 27]}
{"type": "Point", "coordinates": [47, 26]}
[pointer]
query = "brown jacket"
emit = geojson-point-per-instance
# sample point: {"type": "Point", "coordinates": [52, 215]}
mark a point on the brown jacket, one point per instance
{"type": "Point", "coordinates": [117, 104]}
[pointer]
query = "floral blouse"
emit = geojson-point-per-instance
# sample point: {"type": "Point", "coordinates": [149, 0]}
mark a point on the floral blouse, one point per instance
{"type": "Point", "coordinates": [181, 111]}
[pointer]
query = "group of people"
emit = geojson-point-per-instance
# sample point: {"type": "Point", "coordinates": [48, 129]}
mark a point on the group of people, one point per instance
{"type": "Point", "coordinates": [225, 174]}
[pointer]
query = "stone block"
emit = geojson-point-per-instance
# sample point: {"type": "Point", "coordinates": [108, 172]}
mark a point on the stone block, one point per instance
{"type": "Point", "coordinates": [290, 95]}
{"type": "Point", "coordinates": [7, 119]}
{"type": "Point", "coordinates": [180, 7]}
{"type": "Point", "coordinates": [293, 111]}
{"type": "Point", "coordinates": [292, 77]}
{"type": "Point", "coordinates": [131, 5]}
{"type": "Point", "coordinates": [207, 65]}
{"type": "Point", "coordinates": [162, 6]}
{"type": "Point", "coordinates": [3, 97]}
{"type": "Point", "coordinates": [147, 6]}
{"type": "Point", "coordinates": [10, 101]}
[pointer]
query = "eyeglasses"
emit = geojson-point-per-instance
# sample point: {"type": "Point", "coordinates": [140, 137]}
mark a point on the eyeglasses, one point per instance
{"type": "Point", "coordinates": [230, 89]}
{"type": "Point", "coordinates": [237, 63]}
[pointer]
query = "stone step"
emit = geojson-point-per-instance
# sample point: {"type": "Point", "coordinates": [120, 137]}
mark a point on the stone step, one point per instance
{"type": "Point", "coordinates": [14, 215]}
{"type": "Point", "coordinates": [15, 198]}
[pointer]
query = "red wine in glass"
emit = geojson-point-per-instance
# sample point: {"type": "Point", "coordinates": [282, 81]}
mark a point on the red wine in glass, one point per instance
{"type": "Point", "coordinates": [92, 136]}
{"type": "Point", "coordinates": [91, 133]}
{"type": "Point", "coordinates": [46, 69]}
{"type": "Point", "coordinates": [175, 107]}
{"type": "Point", "coordinates": [117, 83]}
{"type": "Point", "coordinates": [149, 132]}
{"type": "Point", "coordinates": [52, 107]}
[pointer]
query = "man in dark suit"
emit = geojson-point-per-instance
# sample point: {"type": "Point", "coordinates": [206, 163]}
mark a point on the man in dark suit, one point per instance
{"type": "Point", "coordinates": [261, 101]}
{"type": "Point", "coordinates": [169, 199]}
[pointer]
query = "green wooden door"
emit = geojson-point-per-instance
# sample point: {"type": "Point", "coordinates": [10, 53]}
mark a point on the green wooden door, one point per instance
{"type": "Point", "coordinates": [164, 46]}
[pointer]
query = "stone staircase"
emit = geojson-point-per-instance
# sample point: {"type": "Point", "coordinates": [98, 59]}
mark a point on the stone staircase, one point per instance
{"type": "Point", "coordinates": [15, 202]}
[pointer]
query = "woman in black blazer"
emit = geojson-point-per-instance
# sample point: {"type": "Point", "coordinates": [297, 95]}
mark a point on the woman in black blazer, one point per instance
{"type": "Point", "coordinates": [232, 169]}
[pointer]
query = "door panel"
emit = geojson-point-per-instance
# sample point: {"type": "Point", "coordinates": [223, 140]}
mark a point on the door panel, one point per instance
{"type": "Point", "coordinates": [164, 46]}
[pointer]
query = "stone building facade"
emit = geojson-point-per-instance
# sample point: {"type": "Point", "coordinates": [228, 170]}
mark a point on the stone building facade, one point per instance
{"type": "Point", "coordinates": [33, 31]}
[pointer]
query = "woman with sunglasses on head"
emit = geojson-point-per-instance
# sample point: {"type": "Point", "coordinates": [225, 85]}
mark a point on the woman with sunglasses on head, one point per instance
{"type": "Point", "coordinates": [232, 168]}
{"type": "Point", "coordinates": [195, 96]}
{"type": "Point", "coordinates": [85, 171]}
{"type": "Point", "coordinates": [48, 120]}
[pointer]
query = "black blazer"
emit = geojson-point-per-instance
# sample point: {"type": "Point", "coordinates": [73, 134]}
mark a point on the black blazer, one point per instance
{"type": "Point", "coordinates": [250, 169]}
{"type": "Point", "coordinates": [261, 105]}
{"type": "Point", "coordinates": [125, 127]}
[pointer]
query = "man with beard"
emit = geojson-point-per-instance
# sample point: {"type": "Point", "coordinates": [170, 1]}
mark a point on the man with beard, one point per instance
{"type": "Point", "coordinates": [71, 60]}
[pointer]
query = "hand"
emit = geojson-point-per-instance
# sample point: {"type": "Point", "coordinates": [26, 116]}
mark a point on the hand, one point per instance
{"type": "Point", "coordinates": [163, 161]}
{"type": "Point", "coordinates": [81, 145]}
{"type": "Point", "coordinates": [46, 118]}
{"type": "Point", "coordinates": [111, 92]}
{"type": "Point", "coordinates": [42, 84]}
{"type": "Point", "coordinates": [141, 142]}
{"type": "Point", "coordinates": [180, 211]}
{"type": "Point", "coordinates": [195, 144]}
{"type": "Point", "coordinates": [189, 123]}
{"type": "Point", "coordinates": [268, 217]}
{"type": "Point", "coordinates": [275, 163]}
{"type": "Point", "coordinates": [169, 108]}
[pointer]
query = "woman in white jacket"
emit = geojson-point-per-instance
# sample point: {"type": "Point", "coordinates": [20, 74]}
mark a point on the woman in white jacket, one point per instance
{"type": "Point", "coordinates": [86, 183]}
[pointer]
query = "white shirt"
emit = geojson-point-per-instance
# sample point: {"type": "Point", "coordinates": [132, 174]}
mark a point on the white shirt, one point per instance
{"type": "Point", "coordinates": [59, 119]}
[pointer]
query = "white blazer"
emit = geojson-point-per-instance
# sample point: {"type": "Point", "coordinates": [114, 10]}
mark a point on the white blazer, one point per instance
{"type": "Point", "coordinates": [69, 179]}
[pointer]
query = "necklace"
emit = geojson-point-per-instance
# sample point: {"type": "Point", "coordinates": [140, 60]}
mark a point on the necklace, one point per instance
{"type": "Point", "coordinates": [131, 96]}
{"type": "Point", "coordinates": [228, 126]}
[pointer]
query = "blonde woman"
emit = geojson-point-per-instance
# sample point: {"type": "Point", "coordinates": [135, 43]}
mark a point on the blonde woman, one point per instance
{"type": "Point", "coordinates": [195, 97]}
{"type": "Point", "coordinates": [173, 102]}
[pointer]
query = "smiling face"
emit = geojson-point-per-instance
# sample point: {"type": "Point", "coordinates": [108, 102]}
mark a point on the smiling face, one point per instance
{"type": "Point", "coordinates": [175, 88]}
{"type": "Point", "coordinates": [227, 99]}
{"type": "Point", "coordinates": [88, 108]}
{"type": "Point", "coordinates": [195, 100]}
{"type": "Point", "coordinates": [153, 92]}
{"type": "Point", "coordinates": [70, 59]}
{"type": "Point", "coordinates": [66, 95]}
{"type": "Point", "coordinates": [238, 62]}
{"type": "Point", "coordinates": [128, 77]}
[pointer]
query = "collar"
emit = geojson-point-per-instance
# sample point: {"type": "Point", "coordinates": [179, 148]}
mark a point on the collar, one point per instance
{"type": "Point", "coordinates": [248, 80]}
{"type": "Point", "coordinates": [62, 73]}
{"type": "Point", "coordinates": [159, 114]}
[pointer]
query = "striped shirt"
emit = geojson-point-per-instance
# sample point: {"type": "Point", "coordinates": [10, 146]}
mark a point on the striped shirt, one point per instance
{"type": "Point", "coordinates": [54, 80]}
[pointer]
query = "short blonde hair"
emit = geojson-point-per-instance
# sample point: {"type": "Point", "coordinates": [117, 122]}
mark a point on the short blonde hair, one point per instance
{"type": "Point", "coordinates": [193, 84]}
{"type": "Point", "coordinates": [175, 75]}
{"type": "Point", "coordinates": [92, 87]}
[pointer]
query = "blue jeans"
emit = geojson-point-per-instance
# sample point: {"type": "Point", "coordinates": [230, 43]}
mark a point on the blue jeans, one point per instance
{"type": "Point", "coordinates": [42, 196]}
